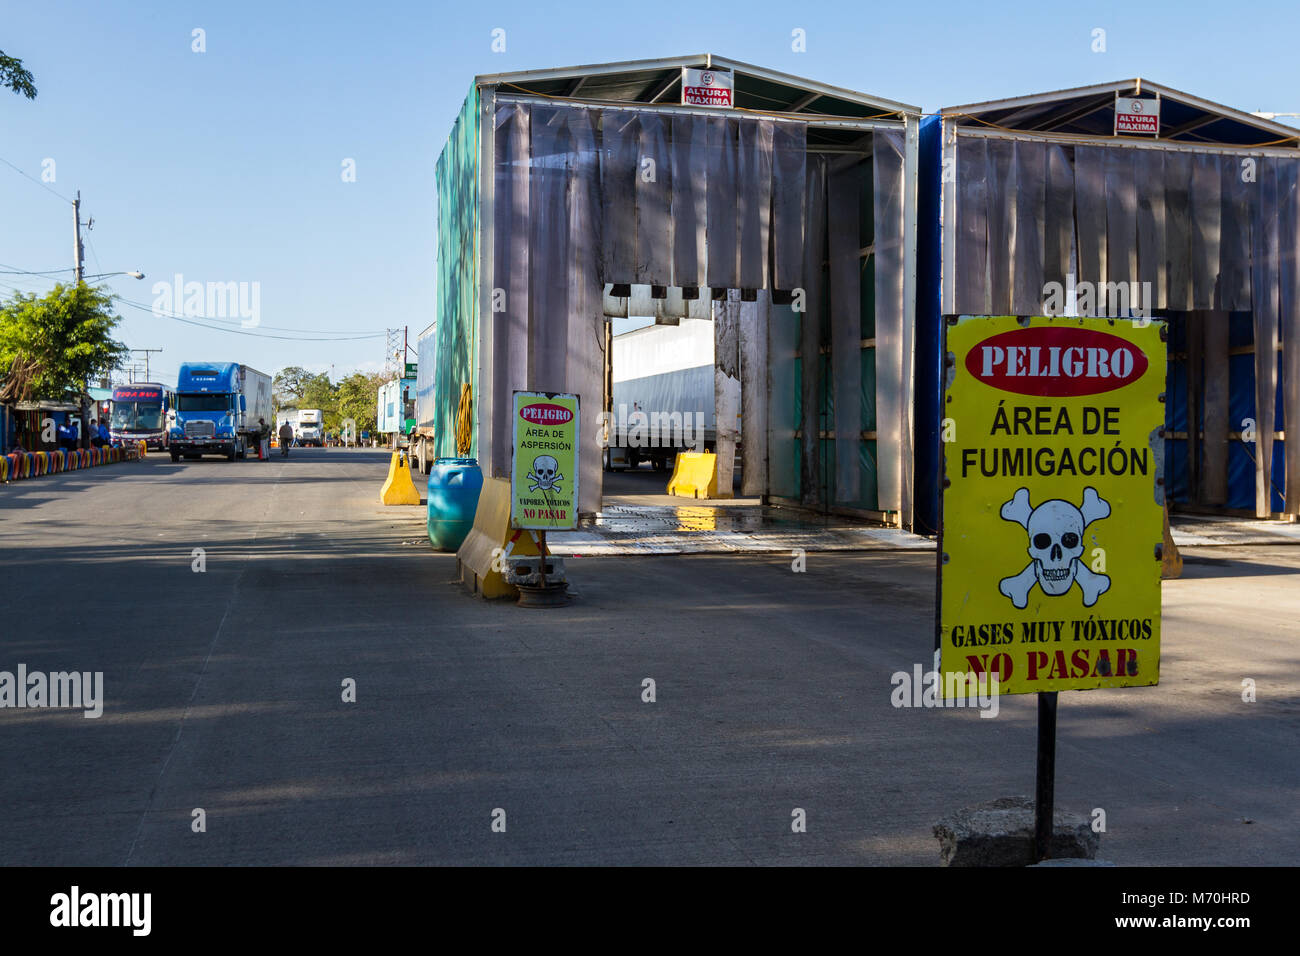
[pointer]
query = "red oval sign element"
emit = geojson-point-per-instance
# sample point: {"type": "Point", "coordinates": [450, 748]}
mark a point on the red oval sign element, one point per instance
{"type": "Point", "coordinates": [1056, 361]}
{"type": "Point", "coordinates": [544, 413]}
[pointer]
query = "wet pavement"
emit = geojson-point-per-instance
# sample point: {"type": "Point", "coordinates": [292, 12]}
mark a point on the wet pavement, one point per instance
{"type": "Point", "coordinates": [638, 518]}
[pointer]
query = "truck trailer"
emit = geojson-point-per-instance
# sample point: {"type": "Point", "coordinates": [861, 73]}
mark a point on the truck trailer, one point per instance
{"type": "Point", "coordinates": [423, 449]}
{"type": "Point", "coordinates": [662, 400]}
{"type": "Point", "coordinates": [396, 411]}
{"type": "Point", "coordinates": [218, 405]}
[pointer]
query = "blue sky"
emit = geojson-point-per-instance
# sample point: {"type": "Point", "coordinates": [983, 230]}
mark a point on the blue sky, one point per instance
{"type": "Point", "coordinates": [225, 166]}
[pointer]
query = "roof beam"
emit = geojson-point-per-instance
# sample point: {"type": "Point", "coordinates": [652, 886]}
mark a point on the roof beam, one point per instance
{"type": "Point", "coordinates": [1191, 125]}
{"type": "Point", "coordinates": [1056, 122]}
{"type": "Point", "coordinates": [576, 85]}
{"type": "Point", "coordinates": [664, 87]}
{"type": "Point", "coordinates": [803, 102]}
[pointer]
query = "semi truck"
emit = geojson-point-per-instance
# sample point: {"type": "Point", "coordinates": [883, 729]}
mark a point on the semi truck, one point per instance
{"type": "Point", "coordinates": [218, 405]}
{"type": "Point", "coordinates": [311, 427]}
{"type": "Point", "coordinates": [396, 411]}
{"type": "Point", "coordinates": [662, 400]}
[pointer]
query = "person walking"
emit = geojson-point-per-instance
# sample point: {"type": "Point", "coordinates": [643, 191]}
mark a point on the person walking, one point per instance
{"type": "Point", "coordinates": [286, 439]}
{"type": "Point", "coordinates": [264, 439]}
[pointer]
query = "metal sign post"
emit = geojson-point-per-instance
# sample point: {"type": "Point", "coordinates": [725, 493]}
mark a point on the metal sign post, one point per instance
{"type": "Point", "coordinates": [1045, 779]}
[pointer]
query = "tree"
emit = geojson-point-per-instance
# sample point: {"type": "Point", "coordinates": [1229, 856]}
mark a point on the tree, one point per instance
{"type": "Point", "coordinates": [287, 385]}
{"type": "Point", "coordinates": [66, 334]}
{"type": "Point", "coordinates": [57, 342]}
{"type": "Point", "coordinates": [14, 76]}
{"type": "Point", "coordinates": [357, 399]}
{"type": "Point", "coordinates": [319, 392]}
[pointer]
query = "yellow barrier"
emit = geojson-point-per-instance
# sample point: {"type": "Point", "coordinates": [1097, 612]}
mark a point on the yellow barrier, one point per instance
{"type": "Point", "coordinates": [399, 489]}
{"type": "Point", "coordinates": [1171, 561]}
{"type": "Point", "coordinates": [695, 475]}
{"type": "Point", "coordinates": [481, 560]}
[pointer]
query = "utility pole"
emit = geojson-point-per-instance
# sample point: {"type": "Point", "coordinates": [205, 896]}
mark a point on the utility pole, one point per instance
{"type": "Point", "coordinates": [77, 271]}
{"type": "Point", "coordinates": [146, 360]}
{"type": "Point", "coordinates": [77, 267]}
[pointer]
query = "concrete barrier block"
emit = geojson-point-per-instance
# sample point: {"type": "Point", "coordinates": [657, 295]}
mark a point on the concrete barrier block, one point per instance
{"type": "Point", "coordinates": [484, 557]}
{"type": "Point", "coordinates": [695, 475]}
{"type": "Point", "coordinates": [1001, 833]}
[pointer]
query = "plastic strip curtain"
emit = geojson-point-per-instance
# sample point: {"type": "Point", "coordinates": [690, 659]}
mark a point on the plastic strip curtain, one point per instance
{"type": "Point", "coordinates": [1002, 222]}
{"type": "Point", "coordinates": [1207, 213]}
{"type": "Point", "coordinates": [1178, 231]}
{"type": "Point", "coordinates": [1234, 249]}
{"type": "Point", "coordinates": [654, 194]}
{"type": "Point", "coordinates": [1031, 220]}
{"type": "Point", "coordinates": [509, 332]}
{"type": "Point", "coordinates": [810, 320]}
{"type": "Point", "coordinates": [753, 203]}
{"type": "Point", "coordinates": [893, 338]}
{"type": "Point", "coordinates": [842, 205]}
{"type": "Point", "coordinates": [1288, 284]}
{"type": "Point", "coordinates": [1215, 340]}
{"type": "Point", "coordinates": [548, 313]}
{"type": "Point", "coordinates": [1090, 212]}
{"type": "Point", "coordinates": [585, 353]}
{"type": "Point", "coordinates": [789, 152]}
{"type": "Point", "coordinates": [1058, 226]}
{"type": "Point", "coordinates": [1149, 175]}
{"type": "Point", "coordinates": [1121, 233]}
{"type": "Point", "coordinates": [457, 267]}
{"type": "Point", "coordinates": [754, 371]}
{"type": "Point", "coordinates": [1264, 275]}
{"type": "Point", "coordinates": [690, 199]}
{"type": "Point", "coordinates": [620, 140]}
{"type": "Point", "coordinates": [970, 292]}
{"type": "Point", "coordinates": [720, 229]}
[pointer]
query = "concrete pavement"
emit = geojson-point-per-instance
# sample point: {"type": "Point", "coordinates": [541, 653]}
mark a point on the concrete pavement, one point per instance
{"type": "Point", "coordinates": [773, 693]}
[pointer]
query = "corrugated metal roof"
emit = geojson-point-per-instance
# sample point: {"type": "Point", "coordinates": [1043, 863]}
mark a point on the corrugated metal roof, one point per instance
{"type": "Point", "coordinates": [1088, 111]}
{"type": "Point", "coordinates": [659, 81]}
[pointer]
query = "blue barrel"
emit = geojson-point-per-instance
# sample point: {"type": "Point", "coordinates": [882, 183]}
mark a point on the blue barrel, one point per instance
{"type": "Point", "coordinates": [454, 486]}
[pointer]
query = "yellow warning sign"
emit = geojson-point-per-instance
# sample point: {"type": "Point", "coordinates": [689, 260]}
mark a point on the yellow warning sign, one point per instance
{"type": "Point", "coordinates": [1053, 503]}
{"type": "Point", "coordinates": [544, 475]}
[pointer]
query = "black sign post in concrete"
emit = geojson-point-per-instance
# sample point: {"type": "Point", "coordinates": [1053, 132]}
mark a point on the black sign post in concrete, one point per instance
{"type": "Point", "coordinates": [1045, 785]}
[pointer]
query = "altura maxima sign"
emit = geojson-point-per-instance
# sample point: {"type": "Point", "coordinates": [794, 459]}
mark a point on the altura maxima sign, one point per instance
{"type": "Point", "coordinates": [1052, 502]}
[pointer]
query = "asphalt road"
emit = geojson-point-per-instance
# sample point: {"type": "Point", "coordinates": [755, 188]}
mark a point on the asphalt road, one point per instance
{"type": "Point", "coordinates": [223, 691]}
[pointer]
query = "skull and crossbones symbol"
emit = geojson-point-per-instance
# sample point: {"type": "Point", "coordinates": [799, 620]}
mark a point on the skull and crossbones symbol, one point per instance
{"type": "Point", "coordinates": [545, 474]}
{"type": "Point", "coordinates": [1055, 543]}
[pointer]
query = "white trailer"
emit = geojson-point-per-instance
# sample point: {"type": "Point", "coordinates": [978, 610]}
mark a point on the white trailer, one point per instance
{"type": "Point", "coordinates": [663, 390]}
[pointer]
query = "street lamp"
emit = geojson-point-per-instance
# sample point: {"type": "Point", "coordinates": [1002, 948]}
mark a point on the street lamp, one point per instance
{"type": "Point", "coordinates": [104, 275]}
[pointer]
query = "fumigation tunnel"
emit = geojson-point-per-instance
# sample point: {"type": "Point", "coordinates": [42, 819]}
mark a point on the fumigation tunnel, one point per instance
{"type": "Point", "coordinates": [570, 197]}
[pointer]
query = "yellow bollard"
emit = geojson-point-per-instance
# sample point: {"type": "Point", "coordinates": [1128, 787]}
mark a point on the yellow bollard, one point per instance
{"type": "Point", "coordinates": [399, 489]}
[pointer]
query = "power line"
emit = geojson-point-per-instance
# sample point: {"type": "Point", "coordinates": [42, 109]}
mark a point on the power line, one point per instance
{"type": "Point", "coordinates": [342, 336]}
{"type": "Point", "coordinates": [44, 186]}
{"type": "Point", "coordinates": [241, 331]}
{"type": "Point", "coordinates": [15, 271]}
